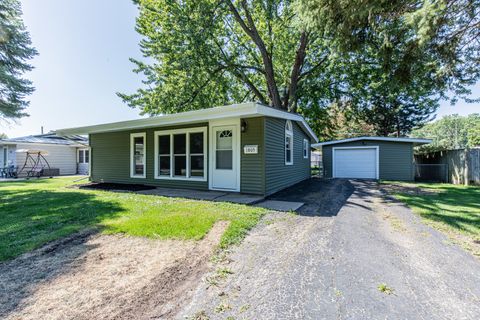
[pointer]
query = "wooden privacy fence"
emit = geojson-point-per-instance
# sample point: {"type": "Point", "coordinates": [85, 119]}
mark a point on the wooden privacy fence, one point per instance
{"type": "Point", "coordinates": [431, 172]}
{"type": "Point", "coordinates": [462, 165]}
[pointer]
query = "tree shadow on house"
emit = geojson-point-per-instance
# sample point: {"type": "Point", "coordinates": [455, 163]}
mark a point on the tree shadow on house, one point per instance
{"type": "Point", "coordinates": [56, 226]}
{"type": "Point", "coordinates": [321, 197]}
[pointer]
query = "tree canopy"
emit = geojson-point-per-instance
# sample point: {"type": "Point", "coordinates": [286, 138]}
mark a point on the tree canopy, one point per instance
{"type": "Point", "coordinates": [15, 52]}
{"type": "Point", "coordinates": [388, 62]}
{"type": "Point", "coordinates": [451, 132]}
{"type": "Point", "coordinates": [210, 53]}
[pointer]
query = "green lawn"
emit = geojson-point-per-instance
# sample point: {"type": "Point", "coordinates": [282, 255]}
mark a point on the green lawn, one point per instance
{"type": "Point", "coordinates": [37, 211]}
{"type": "Point", "coordinates": [454, 209]}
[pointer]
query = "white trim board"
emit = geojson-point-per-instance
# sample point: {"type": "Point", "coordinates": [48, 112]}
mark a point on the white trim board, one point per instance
{"type": "Point", "coordinates": [411, 140]}
{"type": "Point", "coordinates": [244, 110]}
{"type": "Point", "coordinates": [377, 158]}
{"type": "Point", "coordinates": [132, 155]}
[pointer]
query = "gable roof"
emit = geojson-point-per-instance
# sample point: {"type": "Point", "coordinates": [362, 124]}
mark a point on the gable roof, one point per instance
{"type": "Point", "coordinates": [48, 138]}
{"type": "Point", "coordinates": [390, 139]}
{"type": "Point", "coordinates": [244, 110]}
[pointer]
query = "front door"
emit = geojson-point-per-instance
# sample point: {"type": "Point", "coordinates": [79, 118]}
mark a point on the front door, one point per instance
{"type": "Point", "coordinates": [224, 158]}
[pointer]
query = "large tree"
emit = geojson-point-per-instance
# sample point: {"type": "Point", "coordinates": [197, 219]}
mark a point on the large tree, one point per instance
{"type": "Point", "coordinates": [207, 53]}
{"type": "Point", "coordinates": [15, 52]}
{"type": "Point", "coordinates": [386, 60]}
{"type": "Point", "coordinates": [400, 57]}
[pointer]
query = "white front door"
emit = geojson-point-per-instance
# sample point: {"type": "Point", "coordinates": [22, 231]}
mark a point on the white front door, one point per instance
{"type": "Point", "coordinates": [224, 157]}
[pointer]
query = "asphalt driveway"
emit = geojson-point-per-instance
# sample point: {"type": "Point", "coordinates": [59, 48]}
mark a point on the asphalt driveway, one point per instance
{"type": "Point", "coordinates": [350, 253]}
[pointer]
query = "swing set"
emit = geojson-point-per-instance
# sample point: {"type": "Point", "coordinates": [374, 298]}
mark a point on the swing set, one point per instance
{"type": "Point", "coordinates": [35, 163]}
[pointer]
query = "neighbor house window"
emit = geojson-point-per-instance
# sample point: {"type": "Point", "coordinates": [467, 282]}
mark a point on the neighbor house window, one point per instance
{"type": "Point", "coordinates": [181, 154]}
{"type": "Point", "coordinates": [137, 155]}
{"type": "Point", "coordinates": [83, 156]}
{"type": "Point", "coordinates": [288, 143]}
{"type": "Point", "coordinates": [305, 149]}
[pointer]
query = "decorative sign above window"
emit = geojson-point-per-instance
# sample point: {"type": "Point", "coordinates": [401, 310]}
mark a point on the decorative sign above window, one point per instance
{"type": "Point", "coordinates": [250, 149]}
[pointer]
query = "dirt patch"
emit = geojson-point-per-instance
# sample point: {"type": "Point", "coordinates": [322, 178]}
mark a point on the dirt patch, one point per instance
{"type": "Point", "coordinates": [94, 276]}
{"type": "Point", "coordinates": [408, 189]}
{"type": "Point", "coordinates": [114, 187]}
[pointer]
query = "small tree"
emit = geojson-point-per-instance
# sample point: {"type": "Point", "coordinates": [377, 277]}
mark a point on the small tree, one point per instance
{"type": "Point", "coordinates": [15, 51]}
{"type": "Point", "coordinates": [451, 132]}
{"type": "Point", "coordinates": [3, 136]}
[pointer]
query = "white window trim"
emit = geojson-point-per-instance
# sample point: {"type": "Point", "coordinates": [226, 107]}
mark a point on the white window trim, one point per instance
{"type": "Point", "coordinates": [288, 133]}
{"type": "Point", "coordinates": [377, 156]}
{"type": "Point", "coordinates": [132, 155]}
{"type": "Point", "coordinates": [78, 155]}
{"type": "Point", "coordinates": [305, 148]}
{"type": "Point", "coordinates": [180, 131]}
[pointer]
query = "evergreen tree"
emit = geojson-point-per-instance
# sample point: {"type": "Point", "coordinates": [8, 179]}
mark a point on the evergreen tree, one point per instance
{"type": "Point", "coordinates": [15, 51]}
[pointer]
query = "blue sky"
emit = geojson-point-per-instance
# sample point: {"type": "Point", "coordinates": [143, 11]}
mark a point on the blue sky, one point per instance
{"type": "Point", "coordinates": [84, 48]}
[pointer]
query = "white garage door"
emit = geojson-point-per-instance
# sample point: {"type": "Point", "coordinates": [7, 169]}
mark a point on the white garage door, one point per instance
{"type": "Point", "coordinates": [355, 163]}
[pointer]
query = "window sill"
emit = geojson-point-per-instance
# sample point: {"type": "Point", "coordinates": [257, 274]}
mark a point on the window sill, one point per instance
{"type": "Point", "coordinates": [182, 178]}
{"type": "Point", "coordinates": [138, 177]}
{"type": "Point", "coordinates": [289, 163]}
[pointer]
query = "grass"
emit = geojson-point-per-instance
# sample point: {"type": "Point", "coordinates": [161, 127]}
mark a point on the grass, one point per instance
{"type": "Point", "coordinates": [38, 211]}
{"type": "Point", "coordinates": [382, 287]}
{"type": "Point", "coordinates": [454, 209]}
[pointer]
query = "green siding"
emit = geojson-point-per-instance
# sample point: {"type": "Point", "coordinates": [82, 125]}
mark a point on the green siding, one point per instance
{"type": "Point", "coordinates": [110, 158]}
{"type": "Point", "coordinates": [396, 158]}
{"type": "Point", "coordinates": [252, 174]}
{"type": "Point", "coordinates": [278, 175]}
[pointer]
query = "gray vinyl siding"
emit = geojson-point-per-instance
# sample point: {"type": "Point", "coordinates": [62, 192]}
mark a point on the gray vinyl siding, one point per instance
{"type": "Point", "coordinates": [63, 158]}
{"type": "Point", "coordinates": [252, 173]}
{"type": "Point", "coordinates": [110, 157]}
{"type": "Point", "coordinates": [396, 158]}
{"type": "Point", "coordinates": [278, 175]}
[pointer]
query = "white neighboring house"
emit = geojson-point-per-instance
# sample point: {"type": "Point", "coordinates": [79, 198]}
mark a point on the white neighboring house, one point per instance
{"type": "Point", "coordinates": [68, 154]}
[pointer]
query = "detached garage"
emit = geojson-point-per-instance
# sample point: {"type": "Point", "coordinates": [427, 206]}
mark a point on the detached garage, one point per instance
{"type": "Point", "coordinates": [369, 158]}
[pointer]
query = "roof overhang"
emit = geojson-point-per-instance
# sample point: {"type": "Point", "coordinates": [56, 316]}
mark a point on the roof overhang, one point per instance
{"type": "Point", "coordinates": [244, 110]}
{"type": "Point", "coordinates": [14, 143]}
{"type": "Point", "coordinates": [415, 141]}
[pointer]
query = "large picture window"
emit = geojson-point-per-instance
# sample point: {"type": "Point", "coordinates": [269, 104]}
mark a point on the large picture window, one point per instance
{"type": "Point", "coordinates": [181, 154]}
{"type": "Point", "coordinates": [137, 155]}
{"type": "Point", "coordinates": [288, 143]}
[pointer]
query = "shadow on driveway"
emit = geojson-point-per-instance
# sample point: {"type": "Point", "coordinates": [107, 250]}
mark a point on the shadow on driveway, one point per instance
{"type": "Point", "coordinates": [322, 197]}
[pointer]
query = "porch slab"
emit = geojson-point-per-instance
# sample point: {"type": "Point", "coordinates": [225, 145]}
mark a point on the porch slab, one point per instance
{"type": "Point", "coordinates": [280, 205]}
{"type": "Point", "coordinates": [239, 198]}
{"type": "Point", "coordinates": [184, 193]}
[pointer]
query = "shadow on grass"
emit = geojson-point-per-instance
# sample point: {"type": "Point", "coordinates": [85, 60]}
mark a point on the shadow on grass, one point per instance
{"type": "Point", "coordinates": [30, 219]}
{"type": "Point", "coordinates": [455, 206]}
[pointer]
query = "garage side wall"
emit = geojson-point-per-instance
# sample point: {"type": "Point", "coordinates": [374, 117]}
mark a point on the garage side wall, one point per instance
{"type": "Point", "coordinates": [396, 158]}
{"type": "Point", "coordinates": [110, 157]}
{"type": "Point", "coordinates": [278, 175]}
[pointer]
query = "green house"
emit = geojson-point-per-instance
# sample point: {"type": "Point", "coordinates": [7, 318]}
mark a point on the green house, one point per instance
{"type": "Point", "coordinates": [248, 148]}
{"type": "Point", "coordinates": [369, 158]}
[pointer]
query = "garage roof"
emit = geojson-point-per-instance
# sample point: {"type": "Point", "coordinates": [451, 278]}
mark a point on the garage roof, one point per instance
{"type": "Point", "coordinates": [244, 110]}
{"type": "Point", "coordinates": [415, 141]}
